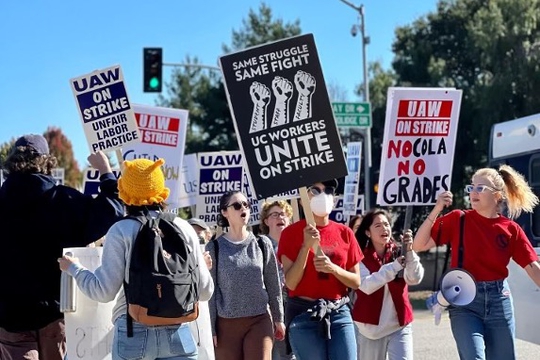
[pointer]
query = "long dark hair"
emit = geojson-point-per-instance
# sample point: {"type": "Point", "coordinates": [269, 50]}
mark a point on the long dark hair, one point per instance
{"type": "Point", "coordinates": [225, 198]}
{"type": "Point", "coordinates": [353, 220]}
{"type": "Point", "coordinates": [367, 221]}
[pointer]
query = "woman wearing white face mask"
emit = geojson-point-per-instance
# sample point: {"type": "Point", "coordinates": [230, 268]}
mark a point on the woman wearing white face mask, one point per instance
{"type": "Point", "coordinates": [318, 284]}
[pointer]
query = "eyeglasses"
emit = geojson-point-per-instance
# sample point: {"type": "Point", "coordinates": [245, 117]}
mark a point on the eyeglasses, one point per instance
{"type": "Point", "coordinates": [275, 214]}
{"type": "Point", "coordinates": [238, 205]}
{"type": "Point", "coordinates": [315, 190]}
{"type": "Point", "coordinates": [478, 188]}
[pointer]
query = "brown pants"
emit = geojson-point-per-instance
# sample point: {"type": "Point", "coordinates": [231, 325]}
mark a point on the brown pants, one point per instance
{"type": "Point", "coordinates": [246, 338]}
{"type": "Point", "coordinates": [48, 343]}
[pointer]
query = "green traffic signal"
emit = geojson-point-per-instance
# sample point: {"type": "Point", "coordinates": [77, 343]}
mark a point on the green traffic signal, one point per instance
{"type": "Point", "coordinates": [153, 72]}
{"type": "Point", "coordinates": [154, 83]}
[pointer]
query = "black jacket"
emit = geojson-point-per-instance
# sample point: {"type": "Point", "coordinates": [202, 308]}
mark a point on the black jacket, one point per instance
{"type": "Point", "coordinates": [37, 220]}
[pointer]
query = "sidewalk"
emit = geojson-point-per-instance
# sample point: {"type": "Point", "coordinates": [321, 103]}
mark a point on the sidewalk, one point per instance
{"type": "Point", "coordinates": [436, 342]}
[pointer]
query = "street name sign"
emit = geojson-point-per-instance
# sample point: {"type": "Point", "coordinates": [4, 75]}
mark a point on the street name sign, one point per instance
{"type": "Point", "coordinates": [348, 114]}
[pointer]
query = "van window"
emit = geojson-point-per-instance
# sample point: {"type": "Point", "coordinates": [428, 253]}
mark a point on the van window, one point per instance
{"type": "Point", "coordinates": [534, 182]}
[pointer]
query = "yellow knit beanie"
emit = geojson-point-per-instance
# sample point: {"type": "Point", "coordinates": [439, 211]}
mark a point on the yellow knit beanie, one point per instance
{"type": "Point", "coordinates": [142, 182]}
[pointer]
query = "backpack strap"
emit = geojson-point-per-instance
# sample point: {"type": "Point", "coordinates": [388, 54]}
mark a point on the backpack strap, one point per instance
{"type": "Point", "coordinates": [216, 252]}
{"type": "Point", "coordinates": [143, 219]}
{"type": "Point", "coordinates": [460, 249]}
{"type": "Point", "coordinates": [260, 242]}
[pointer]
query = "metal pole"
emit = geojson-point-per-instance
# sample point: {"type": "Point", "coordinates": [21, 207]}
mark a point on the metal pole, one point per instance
{"type": "Point", "coordinates": [200, 66]}
{"type": "Point", "coordinates": [367, 137]}
{"type": "Point", "coordinates": [367, 131]}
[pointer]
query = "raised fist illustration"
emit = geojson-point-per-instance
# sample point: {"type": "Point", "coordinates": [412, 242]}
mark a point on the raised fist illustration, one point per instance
{"type": "Point", "coordinates": [282, 89]}
{"type": "Point", "coordinates": [260, 95]}
{"type": "Point", "coordinates": [305, 83]}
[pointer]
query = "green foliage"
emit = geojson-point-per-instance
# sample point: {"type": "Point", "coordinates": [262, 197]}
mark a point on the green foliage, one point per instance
{"type": "Point", "coordinates": [201, 91]}
{"type": "Point", "coordinates": [487, 48]}
{"type": "Point", "coordinates": [261, 28]}
{"type": "Point", "coordinates": [5, 148]}
{"type": "Point", "coordinates": [61, 148]}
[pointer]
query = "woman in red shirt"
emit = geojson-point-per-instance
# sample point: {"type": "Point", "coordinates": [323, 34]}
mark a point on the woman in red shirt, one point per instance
{"type": "Point", "coordinates": [318, 284]}
{"type": "Point", "coordinates": [484, 329]}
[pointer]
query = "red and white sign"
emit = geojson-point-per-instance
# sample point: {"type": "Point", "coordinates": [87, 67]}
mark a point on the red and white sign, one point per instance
{"type": "Point", "coordinates": [419, 144]}
{"type": "Point", "coordinates": [163, 135]}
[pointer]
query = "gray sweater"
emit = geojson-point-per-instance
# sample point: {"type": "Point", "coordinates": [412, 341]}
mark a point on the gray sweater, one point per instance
{"type": "Point", "coordinates": [242, 288]}
{"type": "Point", "coordinates": [106, 282]}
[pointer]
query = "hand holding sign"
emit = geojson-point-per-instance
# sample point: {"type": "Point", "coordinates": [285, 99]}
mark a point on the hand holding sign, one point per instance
{"type": "Point", "coordinates": [310, 221]}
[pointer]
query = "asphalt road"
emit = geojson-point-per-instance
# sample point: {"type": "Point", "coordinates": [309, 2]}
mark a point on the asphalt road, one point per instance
{"type": "Point", "coordinates": [433, 342]}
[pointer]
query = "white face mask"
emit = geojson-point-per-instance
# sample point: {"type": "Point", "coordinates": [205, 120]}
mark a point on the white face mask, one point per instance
{"type": "Point", "coordinates": [322, 204]}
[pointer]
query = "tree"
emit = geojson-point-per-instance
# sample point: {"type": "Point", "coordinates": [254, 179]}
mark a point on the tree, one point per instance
{"type": "Point", "coordinates": [203, 94]}
{"type": "Point", "coordinates": [489, 49]}
{"type": "Point", "coordinates": [5, 148]}
{"type": "Point", "coordinates": [61, 148]}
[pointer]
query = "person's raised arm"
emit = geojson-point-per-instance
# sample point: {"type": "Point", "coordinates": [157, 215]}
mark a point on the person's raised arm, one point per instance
{"type": "Point", "coordinates": [100, 162]}
{"type": "Point", "coordinates": [294, 270]}
{"type": "Point", "coordinates": [423, 240]}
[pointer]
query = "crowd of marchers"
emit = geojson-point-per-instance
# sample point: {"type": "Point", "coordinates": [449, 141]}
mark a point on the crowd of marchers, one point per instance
{"type": "Point", "coordinates": [305, 290]}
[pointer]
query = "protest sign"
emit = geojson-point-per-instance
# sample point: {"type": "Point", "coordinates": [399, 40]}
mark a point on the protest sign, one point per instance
{"type": "Point", "coordinates": [287, 195]}
{"type": "Point", "coordinates": [189, 178]}
{"type": "Point", "coordinates": [163, 135]}
{"type": "Point", "coordinates": [219, 172]}
{"type": "Point", "coordinates": [350, 191]}
{"type": "Point", "coordinates": [107, 115]}
{"type": "Point", "coordinates": [59, 175]}
{"type": "Point", "coordinates": [419, 144]}
{"type": "Point", "coordinates": [89, 330]}
{"type": "Point", "coordinates": [91, 180]}
{"type": "Point", "coordinates": [337, 213]}
{"type": "Point", "coordinates": [255, 211]}
{"type": "Point", "coordinates": [282, 115]}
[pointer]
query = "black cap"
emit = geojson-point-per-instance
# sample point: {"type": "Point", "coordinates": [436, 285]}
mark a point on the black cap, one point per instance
{"type": "Point", "coordinates": [34, 141]}
{"type": "Point", "coordinates": [198, 222]}
{"type": "Point", "coordinates": [333, 183]}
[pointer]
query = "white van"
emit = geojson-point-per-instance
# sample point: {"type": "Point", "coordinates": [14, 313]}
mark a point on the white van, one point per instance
{"type": "Point", "coordinates": [517, 143]}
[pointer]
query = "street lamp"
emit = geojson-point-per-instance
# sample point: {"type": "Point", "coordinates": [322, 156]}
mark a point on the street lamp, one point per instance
{"type": "Point", "coordinates": [367, 132]}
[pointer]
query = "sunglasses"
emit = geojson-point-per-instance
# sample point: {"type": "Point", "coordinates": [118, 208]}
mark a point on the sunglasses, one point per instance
{"type": "Point", "coordinates": [239, 205]}
{"type": "Point", "coordinates": [478, 188]}
{"type": "Point", "coordinates": [275, 214]}
{"type": "Point", "coordinates": [315, 190]}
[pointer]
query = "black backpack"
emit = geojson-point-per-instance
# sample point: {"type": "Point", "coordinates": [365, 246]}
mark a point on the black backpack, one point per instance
{"type": "Point", "coordinates": [163, 286]}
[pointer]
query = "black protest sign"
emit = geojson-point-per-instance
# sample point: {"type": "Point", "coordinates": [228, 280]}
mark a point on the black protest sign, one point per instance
{"type": "Point", "coordinates": [283, 116]}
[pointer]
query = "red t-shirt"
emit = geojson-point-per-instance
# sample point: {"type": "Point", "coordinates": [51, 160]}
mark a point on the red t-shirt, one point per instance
{"type": "Point", "coordinates": [488, 244]}
{"type": "Point", "coordinates": [337, 242]}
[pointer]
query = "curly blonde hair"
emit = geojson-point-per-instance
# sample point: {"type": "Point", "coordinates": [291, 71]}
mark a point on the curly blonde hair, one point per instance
{"type": "Point", "coordinates": [265, 210]}
{"type": "Point", "coordinates": [514, 189]}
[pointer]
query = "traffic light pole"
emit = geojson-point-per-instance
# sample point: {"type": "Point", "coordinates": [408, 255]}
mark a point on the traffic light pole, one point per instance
{"type": "Point", "coordinates": [199, 66]}
{"type": "Point", "coordinates": [367, 131]}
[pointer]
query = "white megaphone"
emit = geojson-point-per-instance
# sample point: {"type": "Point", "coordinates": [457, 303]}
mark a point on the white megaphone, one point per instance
{"type": "Point", "coordinates": [458, 288]}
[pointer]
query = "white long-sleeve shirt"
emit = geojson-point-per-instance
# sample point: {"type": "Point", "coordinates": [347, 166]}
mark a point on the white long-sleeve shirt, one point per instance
{"type": "Point", "coordinates": [106, 282]}
{"type": "Point", "coordinates": [371, 282]}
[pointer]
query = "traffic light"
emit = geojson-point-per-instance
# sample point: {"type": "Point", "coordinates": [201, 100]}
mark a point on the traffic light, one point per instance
{"type": "Point", "coordinates": [153, 69]}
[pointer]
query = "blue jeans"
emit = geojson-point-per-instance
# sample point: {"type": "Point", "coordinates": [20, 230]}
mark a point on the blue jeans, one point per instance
{"type": "Point", "coordinates": [308, 341]}
{"type": "Point", "coordinates": [485, 328]}
{"type": "Point", "coordinates": [153, 342]}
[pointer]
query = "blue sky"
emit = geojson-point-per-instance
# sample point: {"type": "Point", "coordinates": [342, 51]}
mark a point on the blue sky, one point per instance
{"type": "Point", "coordinates": [46, 43]}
